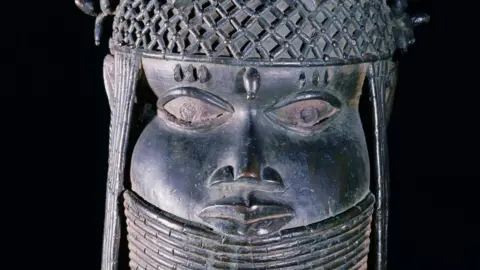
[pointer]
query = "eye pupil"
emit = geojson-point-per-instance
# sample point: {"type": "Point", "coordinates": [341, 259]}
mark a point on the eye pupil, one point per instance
{"type": "Point", "coordinates": [188, 112]}
{"type": "Point", "coordinates": [309, 114]}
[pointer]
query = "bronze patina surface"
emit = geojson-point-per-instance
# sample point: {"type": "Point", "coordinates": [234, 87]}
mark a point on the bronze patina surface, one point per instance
{"type": "Point", "coordinates": [236, 140]}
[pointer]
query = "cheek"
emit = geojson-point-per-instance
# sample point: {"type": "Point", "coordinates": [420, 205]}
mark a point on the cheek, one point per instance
{"type": "Point", "coordinates": [169, 159]}
{"type": "Point", "coordinates": [335, 155]}
{"type": "Point", "coordinates": [341, 167]}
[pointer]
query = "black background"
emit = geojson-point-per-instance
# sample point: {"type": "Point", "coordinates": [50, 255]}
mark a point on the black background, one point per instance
{"type": "Point", "coordinates": [57, 122]}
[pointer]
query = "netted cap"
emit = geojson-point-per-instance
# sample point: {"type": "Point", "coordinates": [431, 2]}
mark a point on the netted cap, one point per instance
{"type": "Point", "coordinates": [262, 31]}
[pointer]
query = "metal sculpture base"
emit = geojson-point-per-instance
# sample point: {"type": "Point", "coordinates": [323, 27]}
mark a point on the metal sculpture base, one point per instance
{"type": "Point", "coordinates": [158, 240]}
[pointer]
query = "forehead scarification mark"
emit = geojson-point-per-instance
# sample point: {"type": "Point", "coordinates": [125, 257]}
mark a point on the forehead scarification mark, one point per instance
{"type": "Point", "coordinates": [178, 73]}
{"type": "Point", "coordinates": [316, 78]}
{"type": "Point", "coordinates": [251, 82]}
{"type": "Point", "coordinates": [326, 78]}
{"type": "Point", "coordinates": [331, 75]}
{"type": "Point", "coordinates": [301, 80]}
{"type": "Point", "coordinates": [191, 73]}
{"type": "Point", "coordinates": [203, 74]}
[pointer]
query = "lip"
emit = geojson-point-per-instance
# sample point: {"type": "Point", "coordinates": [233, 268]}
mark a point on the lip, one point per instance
{"type": "Point", "coordinates": [242, 220]}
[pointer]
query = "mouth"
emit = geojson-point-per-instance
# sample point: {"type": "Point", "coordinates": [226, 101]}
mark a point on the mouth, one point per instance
{"type": "Point", "coordinates": [236, 218]}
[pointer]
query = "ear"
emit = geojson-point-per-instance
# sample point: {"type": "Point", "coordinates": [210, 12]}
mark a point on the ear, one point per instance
{"type": "Point", "coordinates": [109, 76]}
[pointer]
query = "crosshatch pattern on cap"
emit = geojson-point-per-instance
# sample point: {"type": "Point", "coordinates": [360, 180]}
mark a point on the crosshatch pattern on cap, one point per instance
{"type": "Point", "coordinates": [299, 31]}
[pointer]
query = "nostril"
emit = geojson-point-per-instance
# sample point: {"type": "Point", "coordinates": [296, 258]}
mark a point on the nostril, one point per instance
{"type": "Point", "coordinates": [223, 174]}
{"type": "Point", "coordinates": [270, 174]}
{"type": "Point", "coordinates": [246, 180]}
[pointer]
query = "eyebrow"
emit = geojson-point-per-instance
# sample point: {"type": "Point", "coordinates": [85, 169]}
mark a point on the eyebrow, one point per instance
{"type": "Point", "coordinates": [306, 95]}
{"type": "Point", "coordinates": [195, 93]}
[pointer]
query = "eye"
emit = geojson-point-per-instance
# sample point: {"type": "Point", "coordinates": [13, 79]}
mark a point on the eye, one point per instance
{"type": "Point", "coordinates": [194, 113]}
{"type": "Point", "coordinates": [305, 115]}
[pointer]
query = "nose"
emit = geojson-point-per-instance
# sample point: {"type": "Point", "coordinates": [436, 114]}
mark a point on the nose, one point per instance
{"type": "Point", "coordinates": [249, 156]}
{"type": "Point", "coordinates": [249, 168]}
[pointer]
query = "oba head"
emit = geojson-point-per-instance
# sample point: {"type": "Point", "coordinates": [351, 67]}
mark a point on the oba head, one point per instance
{"type": "Point", "coordinates": [256, 126]}
{"type": "Point", "coordinates": [254, 154]}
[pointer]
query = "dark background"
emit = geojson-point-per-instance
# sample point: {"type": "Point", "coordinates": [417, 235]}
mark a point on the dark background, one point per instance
{"type": "Point", "coordinates": [57, 123]}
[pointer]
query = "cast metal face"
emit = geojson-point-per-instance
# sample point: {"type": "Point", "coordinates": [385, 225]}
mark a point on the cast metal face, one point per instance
{"type": "Point", "coordinates": [252, 150]}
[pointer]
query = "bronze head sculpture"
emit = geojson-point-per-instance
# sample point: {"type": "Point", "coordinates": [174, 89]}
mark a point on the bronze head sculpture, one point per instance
{"type": "Point", "coordinates": [250, 152]}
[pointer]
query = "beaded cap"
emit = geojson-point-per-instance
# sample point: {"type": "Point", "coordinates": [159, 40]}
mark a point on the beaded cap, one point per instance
{"type": "Point", "coordinates": [258, 30]}
{"type": "Point", "coordinates": [295, 32]}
